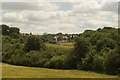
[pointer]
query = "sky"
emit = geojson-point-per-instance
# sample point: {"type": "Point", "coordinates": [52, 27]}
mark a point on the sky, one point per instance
{"type": "Point", "coordinates": [54, 17]}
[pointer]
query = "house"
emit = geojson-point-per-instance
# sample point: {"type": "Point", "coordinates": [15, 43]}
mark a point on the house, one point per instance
{"type": "Point", "coordinates": [65, 39]}
{"type": "Point", "coordinates": [26, 34]}
{"type": "Point", "coordinates": [60, 39]}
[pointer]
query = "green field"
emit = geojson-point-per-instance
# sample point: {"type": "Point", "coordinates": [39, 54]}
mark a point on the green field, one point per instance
{"type": "Point", "coordinates": [65, 45]}
{"type": "Point", "coordinates": [11, 71]}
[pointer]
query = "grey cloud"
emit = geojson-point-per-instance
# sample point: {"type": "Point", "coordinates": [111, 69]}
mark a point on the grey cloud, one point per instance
{"type": "Point", "coordinates": [38, 21]}
{"type": "Point", "coordinates": [19, 0]}
{"type": "Point", "coordinates": [18, 6]}
{"type": "Point", "coordinates": [110, 6]}
{"type": "Point", "coordinates": [28, 6]}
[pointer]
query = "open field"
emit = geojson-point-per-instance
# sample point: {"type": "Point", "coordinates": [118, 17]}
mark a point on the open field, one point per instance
{"type": "Point", "coordinates": [65, 45]}
{"type": "Point", "coordinates": [11, 71]}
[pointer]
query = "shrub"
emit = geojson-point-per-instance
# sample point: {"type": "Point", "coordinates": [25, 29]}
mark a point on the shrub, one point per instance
{"type": "Point", "coordinates": [93, 62]}
{"type": "Point", "coordinates": [12, 50]}
{"type": "Point", "coordinates": [34, 43]}
{"type": "Point", "coordinates": [70, 61]}
{"type": "Point", "coordinates": [98, 63]}
{"type": "Point", "coordinates": [6, 39]}
{"type": "Point", "coordinates": [14, 35]}
{"type": "Point", "coordinates": [56, 62]}
{"type": "Point", "coordinates": [87, 63]}
{"type": "Point", "coordinates": [81, 49]}
{"type": "Point", "coordinates": [105, 42]}
{"type": "Point", "coordinates": [37, 58]}
{"type": "Point", "coordinates": [112, 63]}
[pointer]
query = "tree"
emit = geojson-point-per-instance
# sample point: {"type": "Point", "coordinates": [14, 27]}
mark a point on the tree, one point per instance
{"type": "Point", "coordinates": [14, 30]}
{"type": "Point", "coordinates": [14, 35]}
{"type": "Point", "coordinates": [34, 43]}
{"type": "Point", "coordinates": [5, 29]}
{"type": "Point", "coordinates": [87, 33]}
{"type": "Point", "coordinates": [60, 36]}
{"type": "Point", "coordinates": [112, 62]}
{"type": "Point", "coordinates": [95, 37]}
{"type": "Point", "coordinates": [81, 49]}
{"type": "Point", "coordinates": [105, 42]}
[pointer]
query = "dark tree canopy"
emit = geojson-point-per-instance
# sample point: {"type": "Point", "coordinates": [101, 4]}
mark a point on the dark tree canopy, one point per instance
{"type": "Point", "coordinates": [6, 30]}
{"type": "Point", "coordinates": [81, 48]}
{"type": "Point", "coordinates": [14, 30]}
{"type": "Point", "coordinates": [34, 43]}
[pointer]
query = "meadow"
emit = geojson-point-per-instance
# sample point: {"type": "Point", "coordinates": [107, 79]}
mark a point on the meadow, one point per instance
{"type": "Point", "coordinates": [64, 45]}
{"type": "Point", "coordinates": [12, 71]}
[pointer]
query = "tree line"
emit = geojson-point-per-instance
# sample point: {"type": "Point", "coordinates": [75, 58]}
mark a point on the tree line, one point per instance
{"type": "Point", "coordinates": [94, 50]}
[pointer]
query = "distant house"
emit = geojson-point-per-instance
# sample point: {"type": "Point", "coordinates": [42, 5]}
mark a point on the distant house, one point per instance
{"type": "Point", "coordinates": [60, 39]}
{"type": "Point", "coordinates": [26, 34]}
{"type": "Point", "coordinates": [65, 39]}
{"type": "Point", "coordinates": [56, 38]}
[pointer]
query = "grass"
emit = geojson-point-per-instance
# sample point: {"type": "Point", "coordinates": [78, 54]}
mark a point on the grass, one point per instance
{"type": "Point", "coordinates": [64, 45]}
{"type": "Point", "coordinates": [12, 71]}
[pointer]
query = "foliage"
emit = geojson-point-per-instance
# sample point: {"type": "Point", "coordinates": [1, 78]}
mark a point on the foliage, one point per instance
{"type": "Point", "coordinates": [6, 30]}
{"type": "Point", "coordinates": [98, 56]}
{"type": "Point", "coordinates": [105, 42]}
{"type": "Point", "coordinates": [57, 62]}
{"type": "Point", "coordinates": [93, 50]}
{"type": "Point", "coordinates": [81, 48]}
{"type": "Point", "coordinates": [14, 30]}
{"type": "Point", "coordinates": [112, 63]}
{"type": "Point", "coordinates": [14, 35]}
{"type": "Point", "coordinates": [34, 43]}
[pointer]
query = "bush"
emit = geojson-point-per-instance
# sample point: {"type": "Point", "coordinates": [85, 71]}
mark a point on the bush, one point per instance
{"type": "Point", "coordinates": [34, 43]}
{"type": "Point", "coordinates": [12, 50]}
{"type": "Point", "coordinates": [87, 63]}
{"type": "Point", "coordinates": [56, 62]}
{"type": "Point", "coordinates": [93, 62]}
{"type": "Point", "coordinates": [70, 61]}
{"type": "Point", "coordinates": [14, 35]}
{"type": "Point", "coordinates": [112, 63]}
{"type": "Point", "coordinates": [81, 48]}
{"type": "Point", "coordinates": [98, 63]}
{"type": "Point", "coordinates": [37, 58]}
{"type": "Point", "coordinates": [6, 39]}
{"type": "Point", "coordinates": [105, 42]}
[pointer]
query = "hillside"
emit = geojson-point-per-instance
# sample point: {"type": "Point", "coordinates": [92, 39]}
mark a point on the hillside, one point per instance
{"type": "Point", "coordinates": [11, 71]}
{"type": "Point", "coordinates": [93, 50]}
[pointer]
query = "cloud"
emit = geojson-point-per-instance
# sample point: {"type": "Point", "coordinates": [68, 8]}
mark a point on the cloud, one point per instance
{"type": "Point", "coordinates": [86, 7]}
{"type": "Point", "coordinates": [19, 0]}
{"type": "Point", "coordinates": [59, 1]}
{"type": "Point", "coordinates": [110, 6]}
{"type": "Point", "coordinates": [13, 17]}
{"type": "Point", "coordinates": [93, 6]}
{"type": "Point", "coordinates": [29, 6]}
{"type": "Point", "coordinates": [47, 17]}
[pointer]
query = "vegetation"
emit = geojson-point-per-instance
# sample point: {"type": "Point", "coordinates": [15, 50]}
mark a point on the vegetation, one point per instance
{"type": "Point", "coordinates": [6, 30]}
{"type": "Point", "coordinates": [34, 43]}
{"type": "Point", "coordinates": [10, 71]}
{"type": "Point", "coordinates": [97, 51]}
